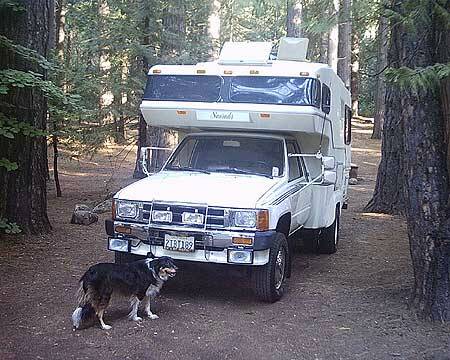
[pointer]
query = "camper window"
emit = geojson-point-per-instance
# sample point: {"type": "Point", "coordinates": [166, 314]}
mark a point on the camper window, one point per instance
{"type": "Point", "coordinates": [205, 88]}
{"type": "Point", "coordinates": [326, 99]}
{"type": "Point", "coordinates": [274, 90]}
{"type": "Point", "coordinates": [348, 126]}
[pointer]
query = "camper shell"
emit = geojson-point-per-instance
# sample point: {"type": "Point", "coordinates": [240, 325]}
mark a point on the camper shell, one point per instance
{"type": "Point", "coordinates": [264, 157]}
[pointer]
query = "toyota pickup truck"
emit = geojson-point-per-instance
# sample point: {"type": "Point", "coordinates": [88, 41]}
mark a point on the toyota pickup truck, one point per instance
{"type": "Point", "coordinates": [264, 156]}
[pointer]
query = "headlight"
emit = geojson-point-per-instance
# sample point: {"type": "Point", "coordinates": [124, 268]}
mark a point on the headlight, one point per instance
{"type": "Point", "coordinates": [162, 216]}
{"type": "Point", "coordinates": [127, 209]}
{"type": "Point", "coordinates": [246, 219]}
{"type": "Point", "coordinates": [251, 219]}
{"type": "Point", "coordinates": [193, 218]}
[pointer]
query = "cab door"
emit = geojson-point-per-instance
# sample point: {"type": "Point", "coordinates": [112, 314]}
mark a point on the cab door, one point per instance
{"type": "Point", "coordinates": [300, 194]}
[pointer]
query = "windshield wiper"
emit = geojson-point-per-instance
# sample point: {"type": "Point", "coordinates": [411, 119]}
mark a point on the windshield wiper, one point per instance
{"type": "Point", "coordinates": [241, 171]}
{"type": "Point", "coordinates": [184, 168]}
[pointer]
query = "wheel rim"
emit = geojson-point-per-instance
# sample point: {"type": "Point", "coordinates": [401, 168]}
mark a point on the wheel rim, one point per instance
{"type": "Point", "coordinates": [280, 265]}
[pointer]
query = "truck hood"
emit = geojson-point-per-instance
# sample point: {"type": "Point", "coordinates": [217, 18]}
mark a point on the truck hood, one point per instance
{"type": "Point", "coordinates": [215, 189]}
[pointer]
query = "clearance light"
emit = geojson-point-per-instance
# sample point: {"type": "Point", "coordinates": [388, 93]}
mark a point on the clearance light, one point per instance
{"type": "Point", "coordinates": [304, 73]}
{"type": "Point", "coordinates": [228, 72]}
{"type": "Point", "coordinates": [113, 209]}
{"type": "Point", "coordinates": [181, 112]}
{"type": "Point", "coordinates": [262, 220]}
{"type": "Point", "coordinates": [242, 241]}
{"type": "Point", "coordinates": [122, 229]}
{"type": "Point", "coordinates": [201, 71]}
{"type": "Point", "coordinates": [264, 116]}
{"type": "Point", "coordinates": [156, 71]}
{"type": "Point", "coordinates": [254, 72]}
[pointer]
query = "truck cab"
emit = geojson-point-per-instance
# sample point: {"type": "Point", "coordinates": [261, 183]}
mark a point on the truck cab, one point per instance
{"type": "Point", "coordinates": [249, 173]}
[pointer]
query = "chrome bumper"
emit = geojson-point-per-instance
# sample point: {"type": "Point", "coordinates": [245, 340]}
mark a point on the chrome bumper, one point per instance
{"type": "Point", "coordinates": [210, 246]}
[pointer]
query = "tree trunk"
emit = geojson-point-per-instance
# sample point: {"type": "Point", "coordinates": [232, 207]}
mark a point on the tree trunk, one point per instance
{"type": "Point", "coordinates": [214, 29]}
{"type": "Point", "coordinates": [23, 197]}
{"type": "Point", "coordinates": [333, 37]}
{"type": "Point", "coordinates": [426, 177]}
{"type": "Point", "coordinates": [345, 43]}
{"type": "Point", "coordinates": [294, 18]}
{"type": "Point", "coordinates": [355, 73]}
{"type": "Point", "coordinates": [389, 195]}
{"type": "Point", "coordinates": [381, 86]}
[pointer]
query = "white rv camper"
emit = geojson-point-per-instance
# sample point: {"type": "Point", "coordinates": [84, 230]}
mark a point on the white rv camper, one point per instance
{"type": "Point", "coordinates": [264, 157]}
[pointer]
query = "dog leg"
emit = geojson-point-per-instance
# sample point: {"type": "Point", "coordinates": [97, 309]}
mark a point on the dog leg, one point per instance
{"type": "Point", "coordinates": [148, 312]}
{"type": "Point", "coordinates": [102, 323]}
{"type": "Point", "coordinates": [134, 309]}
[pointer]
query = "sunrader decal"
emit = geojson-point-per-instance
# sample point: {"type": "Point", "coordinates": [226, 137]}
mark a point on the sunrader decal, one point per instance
{"type": "Point", "coordinates": [235, 116]}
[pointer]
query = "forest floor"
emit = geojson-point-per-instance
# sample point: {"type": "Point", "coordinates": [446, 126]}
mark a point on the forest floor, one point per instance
{"type": "Point", "coordinates": [350, 305]}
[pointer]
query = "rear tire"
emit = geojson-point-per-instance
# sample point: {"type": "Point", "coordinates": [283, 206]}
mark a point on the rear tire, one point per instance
{"type": "Point", "coordinates": [125, 258]}
{"type": "Point", "coordinates": [269, 281]}
{"type": "Point", "coordinates": [329, 237]}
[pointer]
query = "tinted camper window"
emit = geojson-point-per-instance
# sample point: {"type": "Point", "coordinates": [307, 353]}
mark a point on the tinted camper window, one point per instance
{"type": "Point", "coordinates": [204, 88]}
{"type": "Point", "coordinates": [326, 99]}
{"type": "Point", "coordinates": [274, 90]}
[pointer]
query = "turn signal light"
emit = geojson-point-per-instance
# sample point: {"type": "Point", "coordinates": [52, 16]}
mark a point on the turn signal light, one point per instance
{"type": "Point", "coordinates": [156, 71]}
{"type": "Point", "coordinates": [264, 115]}
{"type": "Point", "coordinates": [122, 229]}
{"type": "Point", "coordinates": [228, 72]}
{"type": "Point", "coordinates": [262, 220]}
{"type": "Point", "coordinates": [181, 112]}
{"type": "Point", "coordinates": [201, 71]}
{"type": "Point", "coordinates": [242, 241]}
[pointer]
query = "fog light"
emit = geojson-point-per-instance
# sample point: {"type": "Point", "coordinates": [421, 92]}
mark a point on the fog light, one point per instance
{"type": "Point", "coordinates": [240, 256]}
{"type": "Point", "coordinates": [118, 245]}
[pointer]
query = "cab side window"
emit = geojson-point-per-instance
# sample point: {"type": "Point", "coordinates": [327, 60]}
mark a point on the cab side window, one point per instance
{"type": "Point", "coordinates": [295, 168]}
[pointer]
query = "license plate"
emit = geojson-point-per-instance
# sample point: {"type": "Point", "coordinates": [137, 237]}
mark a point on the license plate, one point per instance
{"type": "Point", "coordinates": [179, 243]}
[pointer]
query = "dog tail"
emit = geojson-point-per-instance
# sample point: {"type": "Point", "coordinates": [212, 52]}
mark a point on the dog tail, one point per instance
{"type": "Point", "coordinates": [84, 311]}
{"type": "Point", "coordinates": [83, 316]}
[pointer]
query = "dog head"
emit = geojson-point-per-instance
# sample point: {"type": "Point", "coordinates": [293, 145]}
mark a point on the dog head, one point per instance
{"type": "Point", "coordinates": [164, 267]}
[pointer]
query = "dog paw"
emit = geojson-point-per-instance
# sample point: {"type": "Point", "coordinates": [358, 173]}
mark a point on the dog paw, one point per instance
{"type": "Point", "coordinates": [153, 316]}
{"type": "Point", "coordinates": [106, 327]}
{"type": "Point", "coordinates": [136, 318]}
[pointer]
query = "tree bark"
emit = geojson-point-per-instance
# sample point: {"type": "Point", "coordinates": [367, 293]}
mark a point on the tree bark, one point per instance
{"type": "Point", "coordinates": [426, 176]}
{"type": "Point", "coordinates": [380, 104]}
{"type": "Point", "coordinates": [345, 43]}
{"type": "Point", "coordinates": [23, 197]}
{"type": "Point", "coordinates": [355, 73]}
{"type": "Point", "coordinates": [294, 18]}
{"type": "Point", "coordinates": [333, 37]}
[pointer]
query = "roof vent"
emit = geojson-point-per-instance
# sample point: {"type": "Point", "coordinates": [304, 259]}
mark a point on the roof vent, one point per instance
{"type": "Point", "coordinates": [245, 53]}
{"type": "Point", "coordinates": [293, 49]}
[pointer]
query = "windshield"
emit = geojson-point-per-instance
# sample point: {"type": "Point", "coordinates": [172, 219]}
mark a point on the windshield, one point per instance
{"type": "Point", "coordinates": [229, 154]}
{"type": "Point", "coordinates": [280, 90]}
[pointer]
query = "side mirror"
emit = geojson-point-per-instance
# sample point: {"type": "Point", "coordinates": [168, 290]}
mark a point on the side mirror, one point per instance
{"type": "Point", "coordinates": [329, 177]}
{"type": "Point", "coordinates": [328, 162]}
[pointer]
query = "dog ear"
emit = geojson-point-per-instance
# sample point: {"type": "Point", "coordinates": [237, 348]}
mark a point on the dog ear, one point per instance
{"type": "Point", "coordinates": [150, 255]}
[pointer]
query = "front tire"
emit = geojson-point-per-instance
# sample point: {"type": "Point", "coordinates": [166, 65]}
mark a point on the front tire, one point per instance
{"type": "Point", "coordinates": [329, 237]}
{"type": "Point", "coordinates": [269, 280]}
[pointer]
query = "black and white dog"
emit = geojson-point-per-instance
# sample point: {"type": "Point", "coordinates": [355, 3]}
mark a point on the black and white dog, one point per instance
{"type": "Point", "coordinates": [139, 280]}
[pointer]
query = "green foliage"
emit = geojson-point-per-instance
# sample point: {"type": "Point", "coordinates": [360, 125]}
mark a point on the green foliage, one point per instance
{"type": "Point", "coordinates": [419, 78]}
{"type": "Point", "coordinates": [14, 5]}
{"type": "Point", "coordinates": [8, 227]}
{"type": "Point", "coordinates": [8, 165]}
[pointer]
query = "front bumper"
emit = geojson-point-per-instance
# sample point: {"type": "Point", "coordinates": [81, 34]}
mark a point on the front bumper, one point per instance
{"type": "Point", "coordinates": [210, 246]}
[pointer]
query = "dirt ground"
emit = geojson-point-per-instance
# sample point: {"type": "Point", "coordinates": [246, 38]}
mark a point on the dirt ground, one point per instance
{"type": "Point", "coordinates": [350, 305]}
